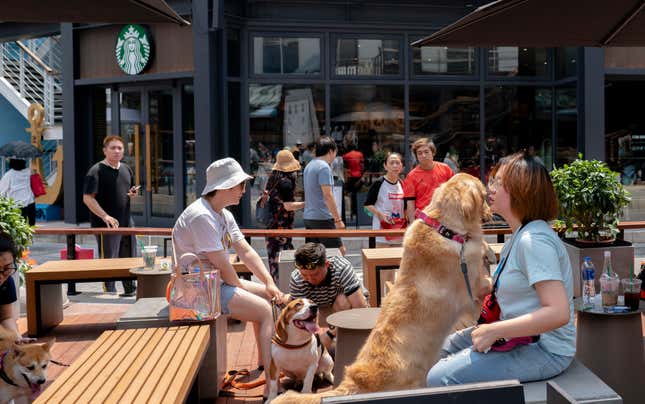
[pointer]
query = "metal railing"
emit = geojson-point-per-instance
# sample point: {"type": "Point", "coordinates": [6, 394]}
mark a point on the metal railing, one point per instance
{"type": "Point", "coordinates": [26, 66]}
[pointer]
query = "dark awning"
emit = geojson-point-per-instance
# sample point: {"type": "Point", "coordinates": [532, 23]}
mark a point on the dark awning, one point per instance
{"type": "Point", "coordinates": [545, 23]}
{"type": "Point", "coordinates": [89, 11]}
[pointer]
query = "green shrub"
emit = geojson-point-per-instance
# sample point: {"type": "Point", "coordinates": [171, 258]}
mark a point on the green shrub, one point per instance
{"type": "Point", "coordinates": [591, 197]}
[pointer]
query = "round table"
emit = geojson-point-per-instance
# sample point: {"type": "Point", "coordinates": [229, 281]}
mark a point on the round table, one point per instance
{"type": "Point", "coordinates": [352, 329]}
{"type": "Point", "coordinates": [611, 345]}
{"type": "Point", "coordinates": [151, 282]}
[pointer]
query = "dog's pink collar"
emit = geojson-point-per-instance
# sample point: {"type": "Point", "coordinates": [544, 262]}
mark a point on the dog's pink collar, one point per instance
{"type": "Point", "coordinates": [441, 229]}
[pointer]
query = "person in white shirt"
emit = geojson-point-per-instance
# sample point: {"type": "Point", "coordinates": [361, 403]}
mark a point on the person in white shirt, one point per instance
{"type": "Point", "coordinates": [207, 229]}
{"type": "Point", "coordinates": [16, 184]}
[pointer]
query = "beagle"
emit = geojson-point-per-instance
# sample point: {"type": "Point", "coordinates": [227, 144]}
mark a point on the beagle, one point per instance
{"type": "Point", "coordinates": [296, 349]}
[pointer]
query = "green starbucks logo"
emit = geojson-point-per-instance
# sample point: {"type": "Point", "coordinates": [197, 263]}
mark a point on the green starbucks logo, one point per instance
{"type": "Point", "coordinates": [132, 49]}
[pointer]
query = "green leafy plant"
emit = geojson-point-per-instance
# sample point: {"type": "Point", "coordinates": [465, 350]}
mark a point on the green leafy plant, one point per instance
{"type": "Point", "coordinates": [591, 198]}
{"type": "Point", "coordinates": [17, 227]}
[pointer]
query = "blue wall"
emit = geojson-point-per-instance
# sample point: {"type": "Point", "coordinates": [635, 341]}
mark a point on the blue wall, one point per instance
{"type": "Point", "coordinates": [12, 123]}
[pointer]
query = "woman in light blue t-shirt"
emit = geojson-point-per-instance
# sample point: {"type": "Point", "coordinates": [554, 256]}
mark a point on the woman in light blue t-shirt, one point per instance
{"type": "Point", "coordinates": [534, 289]}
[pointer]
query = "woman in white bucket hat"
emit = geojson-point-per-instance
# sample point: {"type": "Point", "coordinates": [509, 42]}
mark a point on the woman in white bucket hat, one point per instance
{"type": "Point", "coordinates": [208, 229]}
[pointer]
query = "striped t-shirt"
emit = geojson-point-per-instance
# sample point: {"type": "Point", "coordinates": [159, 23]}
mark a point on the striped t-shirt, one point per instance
{"type": "Point", "coordinates": [340, 279]}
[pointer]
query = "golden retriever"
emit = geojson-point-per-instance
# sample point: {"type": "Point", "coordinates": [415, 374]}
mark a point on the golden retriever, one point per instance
{"type": "Point", "coordinates": [428, 297]}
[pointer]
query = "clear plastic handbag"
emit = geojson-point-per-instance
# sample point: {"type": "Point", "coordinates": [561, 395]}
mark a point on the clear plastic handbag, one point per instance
{"type": "Point", "coordinates": [196, 296]}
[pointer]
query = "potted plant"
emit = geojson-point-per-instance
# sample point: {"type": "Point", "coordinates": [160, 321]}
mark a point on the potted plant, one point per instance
{"type": "Point", "coordinates": [591, 199]}
{"type": "Point", "coordinates": [16, 226]}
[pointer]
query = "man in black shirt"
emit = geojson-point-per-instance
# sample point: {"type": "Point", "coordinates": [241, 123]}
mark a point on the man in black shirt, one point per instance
{"type": "Point", "coordinates": [107, 191]}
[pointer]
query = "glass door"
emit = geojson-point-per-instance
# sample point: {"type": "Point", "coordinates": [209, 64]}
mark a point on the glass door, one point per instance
{"type": "Point", "coordinates": [147, 126]}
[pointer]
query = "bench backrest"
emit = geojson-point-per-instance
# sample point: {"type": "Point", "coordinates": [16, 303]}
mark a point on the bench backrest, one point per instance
{"type": "Point", "coordinates": [500, 392]}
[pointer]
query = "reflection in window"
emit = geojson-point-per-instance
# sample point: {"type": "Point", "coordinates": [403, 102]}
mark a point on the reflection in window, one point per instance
{"type": "Point", "coordinates": [443, 60]}
{"type": "Point", "coordinates": [286, 55]}
{"type": "Point", "coordinates": [625, 140]}
{"type": "Point", "coordinates": [450, 117]}
{"type": "Point", "coordinates": [367, 57]}
{"type": "Point", "coordinates": [188, 128]}
{"type": "Point", "coordinates": [513, 61]}
{"type": "Point", "coordinates": [282, 116]}
{"type": "Point", "coordinates": [566, 62]}
{"type": "Point", "coordinates": [367, 121]}
{"type": "Point", "coordinates": [518, 118]}
{"type": "Point", "coordinates": [567, 124]}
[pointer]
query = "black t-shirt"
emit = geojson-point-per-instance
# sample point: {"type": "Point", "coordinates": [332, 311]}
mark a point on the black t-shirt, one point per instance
{"type": "Point", "coordinates": [8, 292]}
{"type": "Point", "coordinates": [110, 187]}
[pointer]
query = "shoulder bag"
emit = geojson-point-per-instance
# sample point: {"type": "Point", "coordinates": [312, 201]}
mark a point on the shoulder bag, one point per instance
{"type": "Point", "coordinates": [196, 297]}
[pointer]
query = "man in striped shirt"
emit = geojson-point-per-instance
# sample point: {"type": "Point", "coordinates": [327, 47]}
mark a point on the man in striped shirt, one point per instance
{"type": "Point", "coordinates": [329, 282]}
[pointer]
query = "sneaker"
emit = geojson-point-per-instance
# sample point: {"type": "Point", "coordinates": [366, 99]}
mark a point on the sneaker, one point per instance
{"type": "Point", "coordinates": [128, 293]}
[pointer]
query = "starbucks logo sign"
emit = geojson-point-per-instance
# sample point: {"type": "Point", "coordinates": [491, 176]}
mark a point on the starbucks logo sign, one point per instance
{"type": "Point", "coordinates": [133, 49]}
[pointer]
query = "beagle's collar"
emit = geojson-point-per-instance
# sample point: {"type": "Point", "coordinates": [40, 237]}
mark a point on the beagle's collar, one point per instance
{"type": "Point", "coordinates": [276, 341]}
{"type": "Point", "coordinates": [441, 229]}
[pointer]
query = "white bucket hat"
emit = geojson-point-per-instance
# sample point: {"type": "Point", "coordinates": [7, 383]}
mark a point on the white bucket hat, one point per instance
{"type": "Point", "coordinates": [224, 174]}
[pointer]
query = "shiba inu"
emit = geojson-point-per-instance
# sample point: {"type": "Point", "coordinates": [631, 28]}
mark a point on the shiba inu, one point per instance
{"type": "Point", "coordinates": [23, 368]}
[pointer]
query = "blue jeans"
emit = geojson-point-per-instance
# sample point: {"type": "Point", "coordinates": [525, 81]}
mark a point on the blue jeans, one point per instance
{"type": "Point", "coordinates": [459, 364]}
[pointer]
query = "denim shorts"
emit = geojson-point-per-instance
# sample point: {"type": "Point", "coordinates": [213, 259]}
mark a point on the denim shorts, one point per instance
{"type": "Point", "coordinates": [459, 364]}
{"type": "Point", "coordinates": [226, 294]}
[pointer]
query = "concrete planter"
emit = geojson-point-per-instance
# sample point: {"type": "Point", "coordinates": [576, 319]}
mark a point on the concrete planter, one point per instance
{"type": "Point", "coordinates": [622, 257]}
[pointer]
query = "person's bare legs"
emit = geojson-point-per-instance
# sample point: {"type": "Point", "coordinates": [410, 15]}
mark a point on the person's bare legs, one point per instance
{"type": "Point", "coordinates": [258, 290]}
{"type": "Point", "coordinates": [246, 306]}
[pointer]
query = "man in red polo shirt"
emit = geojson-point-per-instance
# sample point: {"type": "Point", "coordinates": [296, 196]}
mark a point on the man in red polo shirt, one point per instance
{"type": "Point", "coordinates": [420, 183]}
{"type": "Point", "coordinates": [353, 161]}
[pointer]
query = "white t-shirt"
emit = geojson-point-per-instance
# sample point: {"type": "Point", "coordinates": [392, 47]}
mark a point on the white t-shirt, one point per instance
{"type": "Point", "coordinates": [537, 255]}
{"type": "Point", "coordinates": [17, 185]}
{"type": "Point", "coordinates": [387, 197]}
{"type": "Point", "coordinates": [199, 229]}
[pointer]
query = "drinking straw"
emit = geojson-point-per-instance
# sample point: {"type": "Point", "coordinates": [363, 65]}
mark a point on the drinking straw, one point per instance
{"type": "Point", "coordinates": [631, 275]}
{"type": "Point", "coordinates": [139, 242]}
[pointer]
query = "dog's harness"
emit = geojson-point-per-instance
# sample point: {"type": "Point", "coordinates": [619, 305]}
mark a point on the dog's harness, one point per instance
{"type": "Point", "coordinates": [3, 375]}
{"type": "Point", "coordinates": [450, 235]}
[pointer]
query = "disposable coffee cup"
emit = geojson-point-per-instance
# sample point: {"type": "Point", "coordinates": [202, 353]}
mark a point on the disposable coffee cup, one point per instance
{"type": "Point", "coordinates": [631, 291]}
{"type": "Point", "coordinates": [149, 253]}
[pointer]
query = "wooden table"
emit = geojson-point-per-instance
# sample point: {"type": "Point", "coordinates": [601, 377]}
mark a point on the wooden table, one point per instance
{"type": "Point", "coordinates": [155, 365]}
{"type": "Point", "coordinates": [377, 259]}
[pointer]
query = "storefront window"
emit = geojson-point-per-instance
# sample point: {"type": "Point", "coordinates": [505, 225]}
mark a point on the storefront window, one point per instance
{"type": "Point", "coordinates": [369, 119]}
{"type": "Point", "coordinates": [517, 118]}
{"type": "Point", "coordinates": [567, 124]}
{"type": "Point", "coordinates": [367, 57]}
{"type": "Point", "coordinates": [441, 60]}
{"type": "Point", "coordinates": [188, 129]}
{"type": "Point", "coordinates": [134, 136]}
{"type": "Point", "coordinates": [512, 61]}
{"type": "Point", "coordinates": [566, 60]}
{"type": "Point", "coordinates": [282, 116]}
{"type": "Point", "coordinates": [450, 117]}
{"type": "Point", "coordinates": [625, 140]}
{"type": "Point", "coordinates": [286, 55]}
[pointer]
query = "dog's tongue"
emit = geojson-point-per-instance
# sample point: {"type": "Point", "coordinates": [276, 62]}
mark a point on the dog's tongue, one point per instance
{"type": "Point", "coordinates": [311, 326]}
{"type": "Point", "coordinates": [35, 389]}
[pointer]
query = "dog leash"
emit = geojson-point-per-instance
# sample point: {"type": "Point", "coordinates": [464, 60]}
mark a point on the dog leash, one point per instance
{"type": "Point", "coordinates": [58, 363]}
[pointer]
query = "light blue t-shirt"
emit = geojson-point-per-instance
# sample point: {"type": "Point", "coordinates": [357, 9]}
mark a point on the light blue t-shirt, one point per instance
{"type": "Point", "coordinates": [317, 173]}
{"type": "Point", "coordinates": [533, 255]}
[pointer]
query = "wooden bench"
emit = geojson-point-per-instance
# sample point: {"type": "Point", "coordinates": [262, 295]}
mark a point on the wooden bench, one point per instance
{"type": "Point", "coordinates": [44, 292]}
{"type": "Point", "coordinates": [153, 312]}
{"type": "Point", "coordinates": [156, 365]}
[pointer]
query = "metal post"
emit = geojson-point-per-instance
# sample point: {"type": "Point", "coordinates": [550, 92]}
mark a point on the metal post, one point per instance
{"type": "Point", "coordinates": [71, 255]}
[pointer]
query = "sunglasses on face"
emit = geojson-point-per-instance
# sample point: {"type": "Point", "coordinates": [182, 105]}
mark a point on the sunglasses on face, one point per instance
{"type": "Point", "coordinates": [8, 270]}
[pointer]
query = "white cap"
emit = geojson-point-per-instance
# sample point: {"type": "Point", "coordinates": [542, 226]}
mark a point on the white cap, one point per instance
{"type": "Point", "coordinates": [224, 174]}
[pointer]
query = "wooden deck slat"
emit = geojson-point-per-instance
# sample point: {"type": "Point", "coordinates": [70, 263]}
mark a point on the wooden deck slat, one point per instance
{"type": "Point", "coordinates": [188, 369]}
{"type": "Point", "coordinates": [112, 376]}
{"type": "Point", "coordinates": [149, 364]}
{"type": "Point", "coordinates": [96, 366]}
{"type": "Point", "coordinates": [163, 374]}
{"type": "Point", "coordinates": [134, 371]}
{"type": "Point", "coordinates": [51, 394]}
